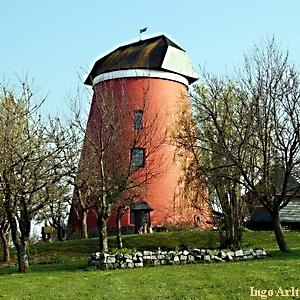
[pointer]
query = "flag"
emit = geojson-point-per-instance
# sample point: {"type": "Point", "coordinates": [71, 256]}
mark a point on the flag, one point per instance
{"type": "Point", "coordinates": [143, 30]}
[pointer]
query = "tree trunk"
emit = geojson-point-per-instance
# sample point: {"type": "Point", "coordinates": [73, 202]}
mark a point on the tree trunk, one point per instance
{"type": "Point", "coordinates": [20, 242]}
{"type": "Point", "coordinates": [6, 254]}
{"type": "Point", "coordinates": [84, 228]}
{"type": "Point", "coordinates": [118, 229]}
{"type": "Point", "coordinates": [20, 235]}
{"type": "Point", "coordinates": [231, 224]}
{"type": "Point", "coordinates": [281, 241]}
{"type": "Point", "coordinates": [23, 257]}
{"type": "Point", "coordinates": [102, 227]}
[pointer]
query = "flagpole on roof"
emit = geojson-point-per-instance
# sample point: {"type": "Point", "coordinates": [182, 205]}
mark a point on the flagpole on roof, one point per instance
{"type": "Point", "coordinates": [142, 31]}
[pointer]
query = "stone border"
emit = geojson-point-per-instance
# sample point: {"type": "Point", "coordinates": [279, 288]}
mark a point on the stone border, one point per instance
{"type": "Point", "coordinates": [103, 261]}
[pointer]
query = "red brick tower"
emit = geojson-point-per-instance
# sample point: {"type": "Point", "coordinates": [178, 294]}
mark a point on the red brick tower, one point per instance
{"type": "Point", "coordinates": [152, 75]}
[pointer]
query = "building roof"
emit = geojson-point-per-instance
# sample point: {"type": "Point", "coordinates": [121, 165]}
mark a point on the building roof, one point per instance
{"type": "Point", "coordinates": [293, 186]}
{"type": "Point", "coordinates": [141, 205]}
{"type": "Point", "coordinates": [156, 53]}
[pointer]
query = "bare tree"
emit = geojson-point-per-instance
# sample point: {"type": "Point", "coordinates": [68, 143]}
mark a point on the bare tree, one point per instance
{"type": "Point", "coordinates": [249, 127]}
{"type": "Point", "coordinates": [32, 153]}
{"type": "Point", "coordinates": [81, 201]}
{"type": "Point", "coordinates": [272, 84]}
{"type": "Point", "coordinates": [121, 206]}
{"type": "Point", "coordinates": [117, 156]}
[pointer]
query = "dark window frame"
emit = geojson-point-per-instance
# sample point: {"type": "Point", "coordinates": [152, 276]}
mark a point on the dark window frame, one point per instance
{"type": "Point", "coordinates": [138, 119]}
{"type": "Point", "coordinates": [138, 157]}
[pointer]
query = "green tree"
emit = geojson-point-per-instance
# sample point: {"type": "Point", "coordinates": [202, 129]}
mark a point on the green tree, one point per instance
{"type": "Point", "coordinates": [32, 154]}
{"type": "Point", "coordinates": [4, 229]}
{"type": "Point", "coordinates": [206, 165]}
{"type": "Point", "coordinates": [56, 212]}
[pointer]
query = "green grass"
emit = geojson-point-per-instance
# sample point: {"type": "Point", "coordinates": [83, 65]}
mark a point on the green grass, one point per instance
{"type": "Point", "coordinates": [72, 279]}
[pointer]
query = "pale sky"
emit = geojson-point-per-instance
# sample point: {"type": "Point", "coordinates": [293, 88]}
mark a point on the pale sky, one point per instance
{"type": "Point", "coordinates": [54, 40]}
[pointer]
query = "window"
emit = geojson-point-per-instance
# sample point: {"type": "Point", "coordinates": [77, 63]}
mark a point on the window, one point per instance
{"type": "Point", "coordinates": [137, 157]}
{"type": "Point", "coordinates": [138, 119]}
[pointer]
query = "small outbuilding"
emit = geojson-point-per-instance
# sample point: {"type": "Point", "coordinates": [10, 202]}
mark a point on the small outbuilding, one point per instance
{"type": "Point", "coordinates": [140, 211]}
{"type": "Point", "coordinates": [289, 215]}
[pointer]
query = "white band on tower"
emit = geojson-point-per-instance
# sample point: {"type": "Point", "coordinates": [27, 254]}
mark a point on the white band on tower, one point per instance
{"type": "Point", "coordinates": [140, 73]}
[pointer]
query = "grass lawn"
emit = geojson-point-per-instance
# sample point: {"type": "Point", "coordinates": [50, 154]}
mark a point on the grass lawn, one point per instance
{"type": "Point", "coordinates": [72, 279]}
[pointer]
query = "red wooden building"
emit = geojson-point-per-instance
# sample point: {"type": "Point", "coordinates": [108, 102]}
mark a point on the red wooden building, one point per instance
{"type": "Point", "coordinates": [145, 81]}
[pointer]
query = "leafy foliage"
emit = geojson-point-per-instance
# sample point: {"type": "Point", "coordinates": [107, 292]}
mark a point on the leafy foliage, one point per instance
{"type": "Point", "coordinates": [32, 153]}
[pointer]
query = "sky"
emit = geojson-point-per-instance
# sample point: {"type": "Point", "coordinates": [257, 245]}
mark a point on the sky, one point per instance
{"type": "Point", "coordinates": [55, 42]}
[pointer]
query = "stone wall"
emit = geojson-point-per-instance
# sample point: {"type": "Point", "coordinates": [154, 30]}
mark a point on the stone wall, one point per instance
{"type": "Point", "coordinates": [102, 260]}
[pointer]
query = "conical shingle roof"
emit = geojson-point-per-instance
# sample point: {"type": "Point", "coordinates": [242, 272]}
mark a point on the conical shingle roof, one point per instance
{"type": "Point", "coordinates": [157, 53]}
{"type": "Point", "coordinates": [141, 205]}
